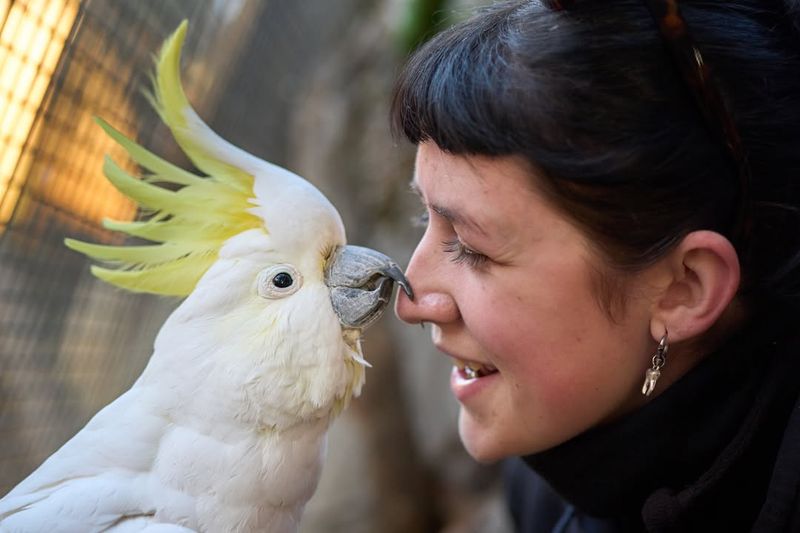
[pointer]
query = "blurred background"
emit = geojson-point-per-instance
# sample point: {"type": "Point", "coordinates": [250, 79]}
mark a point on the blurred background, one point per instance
{"type": "Point", "coordinates": [305, 84]}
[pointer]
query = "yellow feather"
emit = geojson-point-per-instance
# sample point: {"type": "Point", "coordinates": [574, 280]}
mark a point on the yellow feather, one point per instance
{"type": "Point", "coordinates": [148, 160]}
{"type": "Point", "coordinates": [139, 190]}
{"type": "Point", "coordinates": [176, 278]}
{"type": "Point", "coordinates": [134, 255]}
{"type": "Point", "coordinates": [184, 229]}
{"type": "Point", "coordinates": [191, 223]}
{"type": "Point", "coordinates": [171, 103]}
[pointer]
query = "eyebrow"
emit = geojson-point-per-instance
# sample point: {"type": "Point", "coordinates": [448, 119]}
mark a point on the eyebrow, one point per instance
{"type": "Point", "coordinates": [452, 216]}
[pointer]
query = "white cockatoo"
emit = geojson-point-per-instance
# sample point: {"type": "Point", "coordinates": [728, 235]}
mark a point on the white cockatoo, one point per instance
{"type": "Point", "coordinates": [225, 428]}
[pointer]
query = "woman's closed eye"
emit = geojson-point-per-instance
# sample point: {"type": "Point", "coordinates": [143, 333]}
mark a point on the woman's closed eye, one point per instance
{"type": "Point", "coordinates": [457, 250]}
{"type": "Point", "coordinates": [460, 253]}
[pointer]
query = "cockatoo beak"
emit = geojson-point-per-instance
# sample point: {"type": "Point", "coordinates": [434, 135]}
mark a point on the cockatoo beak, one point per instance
{"type": "Point", "coordinates": [361, 282]}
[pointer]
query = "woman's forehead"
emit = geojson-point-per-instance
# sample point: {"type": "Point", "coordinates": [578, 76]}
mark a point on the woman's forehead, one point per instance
{"type": "Point", "coordinates": [436, 169]}
{"type": "Point", "coordinates": [473, 191]}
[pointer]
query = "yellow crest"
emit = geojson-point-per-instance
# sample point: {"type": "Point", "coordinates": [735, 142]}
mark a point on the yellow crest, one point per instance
{"type": "Point", "coordinates": [189, 224]}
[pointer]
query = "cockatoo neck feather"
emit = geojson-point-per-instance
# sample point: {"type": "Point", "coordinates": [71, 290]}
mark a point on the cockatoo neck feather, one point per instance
{"type": "Point", "coordinates": [265, 363]}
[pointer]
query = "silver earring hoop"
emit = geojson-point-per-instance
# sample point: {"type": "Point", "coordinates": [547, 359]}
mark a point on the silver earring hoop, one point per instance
{"type": "Point", "coordinates": [654, 372]}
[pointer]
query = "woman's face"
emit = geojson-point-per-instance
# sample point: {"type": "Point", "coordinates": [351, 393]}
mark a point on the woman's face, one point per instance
{"type": "Point", "coordinates": [505, 282]}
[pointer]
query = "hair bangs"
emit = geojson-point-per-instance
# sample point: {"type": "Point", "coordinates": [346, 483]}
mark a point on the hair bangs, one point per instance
{"type": "Point", "coordinates": [453, 91]}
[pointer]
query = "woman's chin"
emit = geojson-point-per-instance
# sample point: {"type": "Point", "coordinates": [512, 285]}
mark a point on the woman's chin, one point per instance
{"type": "Point", "coordinates": [480, 442]}
{"type": "Point", "coordinates": [490, 441]}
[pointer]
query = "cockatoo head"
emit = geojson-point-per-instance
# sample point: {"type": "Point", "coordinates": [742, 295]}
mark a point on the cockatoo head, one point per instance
{"type": "Point", "coordinates": [259, 253]}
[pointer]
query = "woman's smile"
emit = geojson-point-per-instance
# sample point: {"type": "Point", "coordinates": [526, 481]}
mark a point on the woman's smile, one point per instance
{"type": "Point", "coordinates": [525, 331]}
{"type": "Point", "coordinates": [612, 201]}
{"type": "Point", "coordinates": [472, 370]}
{"type": "Point", "coordinates": [467, 386]}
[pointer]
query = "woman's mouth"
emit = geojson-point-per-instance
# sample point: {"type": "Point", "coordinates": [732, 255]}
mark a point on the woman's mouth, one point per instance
{"type": "Point", "coordinates": [469, 378]}
{"type": "Point", "coordinates": [471, 370]}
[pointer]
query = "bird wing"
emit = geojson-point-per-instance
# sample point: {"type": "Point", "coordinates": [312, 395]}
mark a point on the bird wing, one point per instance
{"type": "Point", "coordinates": [94, 480]}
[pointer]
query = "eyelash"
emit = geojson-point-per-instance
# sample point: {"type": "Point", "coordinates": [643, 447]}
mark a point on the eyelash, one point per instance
{"type": "Point", "coordinates": [462, 254]}
{"type": "Point", "coordinates": [454, 247]}
{"type": "Point", "coordinates": [421, 220]}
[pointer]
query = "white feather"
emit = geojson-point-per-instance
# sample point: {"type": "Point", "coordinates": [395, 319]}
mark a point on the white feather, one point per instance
{"type": "Point", "coordinates": [225, 428]}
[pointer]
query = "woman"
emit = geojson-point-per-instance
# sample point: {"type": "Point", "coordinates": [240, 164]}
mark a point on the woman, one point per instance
{"type": "Point", "coordinates": [612, 255]}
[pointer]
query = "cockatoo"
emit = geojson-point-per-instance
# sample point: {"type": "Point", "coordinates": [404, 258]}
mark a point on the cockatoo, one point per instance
{"type": "Point", "coordinates": [225, 428]}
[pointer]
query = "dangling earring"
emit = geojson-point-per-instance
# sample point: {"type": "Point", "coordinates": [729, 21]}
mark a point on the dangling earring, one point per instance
{"type": "Point", "coordinates": [654, 372]}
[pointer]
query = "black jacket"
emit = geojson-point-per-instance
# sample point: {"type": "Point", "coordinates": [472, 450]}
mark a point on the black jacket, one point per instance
{"type": "Point", "coordinates": [717, 451]}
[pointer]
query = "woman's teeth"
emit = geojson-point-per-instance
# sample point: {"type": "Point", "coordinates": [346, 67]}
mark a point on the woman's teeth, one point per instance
{"type": "Point", "coordinates": [474, 370]}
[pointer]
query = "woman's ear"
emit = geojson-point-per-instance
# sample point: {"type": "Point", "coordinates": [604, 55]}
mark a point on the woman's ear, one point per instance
{"type": "Point", "coordinates": [699, 280]}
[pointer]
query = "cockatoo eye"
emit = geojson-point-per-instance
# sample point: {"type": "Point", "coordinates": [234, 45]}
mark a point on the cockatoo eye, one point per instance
{"type": "Point", "coordinates": [282, 280]}
{"type": "Point", "coordinates": [279, 281]}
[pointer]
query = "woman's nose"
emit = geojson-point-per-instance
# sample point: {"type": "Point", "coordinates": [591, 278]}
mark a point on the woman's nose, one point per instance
{"type": "Point", "coordinates": [435, 307]}
{"type": "Point", "coordinates": [433, 300]}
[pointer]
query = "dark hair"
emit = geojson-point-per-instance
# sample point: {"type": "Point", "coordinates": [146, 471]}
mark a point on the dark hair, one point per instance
{"type": "Point", "coordinates": [591, 99]}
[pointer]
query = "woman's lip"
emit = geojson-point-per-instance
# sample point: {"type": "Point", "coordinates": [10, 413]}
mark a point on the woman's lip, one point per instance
{"type": "Point", "coordinates": [467, 363]}
{"type": "Point", "coordinates": [458, 360]}
{"type": "Point", "coordinates": [465, 389]}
